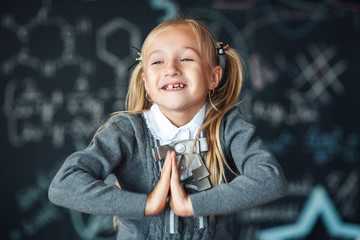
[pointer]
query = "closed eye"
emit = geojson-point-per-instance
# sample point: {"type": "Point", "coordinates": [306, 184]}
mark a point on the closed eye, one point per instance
{"type": "Point", "coordinates": [156, 62]}
{"type": "Point", "coordinates": [186, 60]}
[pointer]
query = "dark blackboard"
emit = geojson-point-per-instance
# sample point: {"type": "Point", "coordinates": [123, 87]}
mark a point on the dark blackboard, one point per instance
{"type": "Point", "coordinates": [63, 69]}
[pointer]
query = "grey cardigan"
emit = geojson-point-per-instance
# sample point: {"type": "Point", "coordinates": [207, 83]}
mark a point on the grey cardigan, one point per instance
{"type": "Point", "coordinates": [123, 147]}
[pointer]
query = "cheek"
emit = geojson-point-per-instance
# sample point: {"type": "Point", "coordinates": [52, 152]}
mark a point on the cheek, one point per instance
{"type": "Point", "coordinates": [147, 82]}
{"type": "Point", "coordinates": [152, 76]}
{"type": "Point", "coordinates": [148, 85]}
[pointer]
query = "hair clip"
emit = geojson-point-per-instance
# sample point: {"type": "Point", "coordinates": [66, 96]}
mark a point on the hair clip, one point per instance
{"type": "Point", "coordinates": [138, 59]}
{"type": "Point", "coordinates": [221, 47]}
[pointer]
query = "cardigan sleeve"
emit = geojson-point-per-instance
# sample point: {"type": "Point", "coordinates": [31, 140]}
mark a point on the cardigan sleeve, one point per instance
{"type": "Point", "coordinates": [260, 179]}
{"type": "Point", "coordinates": [79, 184]}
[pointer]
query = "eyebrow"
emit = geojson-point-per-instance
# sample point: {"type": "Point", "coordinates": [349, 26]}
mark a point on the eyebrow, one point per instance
{"type": "Point", "coordinates": [193, 49]}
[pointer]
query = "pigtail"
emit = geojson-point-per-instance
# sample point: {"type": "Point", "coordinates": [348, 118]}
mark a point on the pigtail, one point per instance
{"type": "Point", "coordinates": [223, 99]}
{"type": "Point", "coordinates": [135, 98]}
{"type": "Point", "coordinates": [227, 93]}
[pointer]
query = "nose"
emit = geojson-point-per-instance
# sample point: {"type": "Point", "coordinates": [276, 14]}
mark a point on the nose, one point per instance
{"type": "Point", "coordinates": [172, 69]}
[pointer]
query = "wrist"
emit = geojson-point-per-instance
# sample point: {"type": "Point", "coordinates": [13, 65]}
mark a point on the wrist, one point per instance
{"type": "Point", "coordinates": [147, 211]}
{"type": "Point", "coordinates": [189, 209]}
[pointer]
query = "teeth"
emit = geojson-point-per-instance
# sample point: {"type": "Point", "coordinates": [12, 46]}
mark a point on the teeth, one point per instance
{"type": "Point", "coordinates": [176, 86]}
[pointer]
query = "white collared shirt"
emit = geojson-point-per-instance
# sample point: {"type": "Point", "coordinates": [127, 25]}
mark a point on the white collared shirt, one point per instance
{"type": "Point", "coordinates": [166, 132]}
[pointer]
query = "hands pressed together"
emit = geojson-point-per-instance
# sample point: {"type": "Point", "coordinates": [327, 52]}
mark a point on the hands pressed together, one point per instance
{"type": "Point", "coordinates": [169, 185]}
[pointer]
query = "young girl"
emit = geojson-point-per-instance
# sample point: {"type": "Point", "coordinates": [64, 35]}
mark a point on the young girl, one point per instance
{"type": "Point", "coordinates": [183, 155]}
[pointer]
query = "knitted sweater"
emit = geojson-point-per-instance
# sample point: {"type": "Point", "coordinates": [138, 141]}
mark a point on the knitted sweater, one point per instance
{"type": "Point", "coordinates": [123, 147]}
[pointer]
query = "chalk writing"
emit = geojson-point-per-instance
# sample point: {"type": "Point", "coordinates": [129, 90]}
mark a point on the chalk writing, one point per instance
{"type": "Point", "coordinates": [281, 144]}
{"type": "Point", "coordinates": [43, 217]}
{"type": "Point", "coordinates": [247, 232]}
{"type": "Point", "coordinates": [170, 8]}
{"type": "Point", "coordinates": [262, 73]}
{"type": "Point", "coordinates": [283, 212]}
{"type": "Point", "coordinates": [300, 187]}
{"type": "Point", "coordinates": [31, 114]}
{"type": "Point", "coordinates": [327, 146]}
{"type": "Point", "coordinates": [62, 72]}
{"type": "Point", "coordinates": [45, 22]}
{"type": "Point", "coordinates": [118, 63]}
{"type": "Point", "coordinates": [318, 206]}
{"type": "Point", "coordinates": [319, 75]}
{"type": "Point", "coordinates": [278, 19]}
{"type": "Point", "coordinates": [310, 21]}
{"type": "Point", "coordinates": [345, 188]}
{"type": "Point", "coordinates": [33, 200]}
{"type": "Point", "coordinates": [92, 227]}
{"type": "Point", "coordinates": [276, 114]}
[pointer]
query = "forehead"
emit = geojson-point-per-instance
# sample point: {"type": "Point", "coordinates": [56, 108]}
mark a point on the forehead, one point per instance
{"type": "Point", "coordinates": [173, 36]}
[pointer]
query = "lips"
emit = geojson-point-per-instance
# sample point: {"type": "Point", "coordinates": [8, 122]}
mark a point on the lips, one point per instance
{"type": "Point", "coordinates": [174, 86]}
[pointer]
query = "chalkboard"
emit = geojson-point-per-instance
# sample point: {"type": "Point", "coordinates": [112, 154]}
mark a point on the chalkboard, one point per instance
{"type": "Point", "coordinates": [63, 69]}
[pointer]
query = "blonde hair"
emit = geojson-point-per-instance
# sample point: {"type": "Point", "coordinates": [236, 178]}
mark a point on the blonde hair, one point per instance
{"type": "Point", "coordinates": [221, 100]}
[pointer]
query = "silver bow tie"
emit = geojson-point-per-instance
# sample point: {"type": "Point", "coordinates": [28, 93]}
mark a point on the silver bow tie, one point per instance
{"type": "Point", "coordinates": [196, 164]}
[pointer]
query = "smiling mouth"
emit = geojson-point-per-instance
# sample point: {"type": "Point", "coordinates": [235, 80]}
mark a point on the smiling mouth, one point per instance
{"type": "Point", "coordinates": [174, 87]}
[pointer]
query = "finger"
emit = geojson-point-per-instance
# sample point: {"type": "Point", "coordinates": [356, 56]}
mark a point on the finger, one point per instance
{"type": "Point", "coordinates": [164, 182]}
{"type": "Point", "coordinates": [174, 167]}
{"type": "Point", "coordinates": [156, 200]}
{"type": "Point", "coordinates": [166, 170]}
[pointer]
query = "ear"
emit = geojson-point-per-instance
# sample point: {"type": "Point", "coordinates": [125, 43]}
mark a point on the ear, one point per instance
{"type": "Point", "coordinates": [145, 82]}
{"type": "Point", "coordinates": [215, 77]}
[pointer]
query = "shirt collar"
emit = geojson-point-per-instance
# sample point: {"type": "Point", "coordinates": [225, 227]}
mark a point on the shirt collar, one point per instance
{"type": "Point", "coordinates": [162, 129]}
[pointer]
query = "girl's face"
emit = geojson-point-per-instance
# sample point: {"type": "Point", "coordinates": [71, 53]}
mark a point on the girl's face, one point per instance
{"type": "Point", "coordinates": [176, 72]}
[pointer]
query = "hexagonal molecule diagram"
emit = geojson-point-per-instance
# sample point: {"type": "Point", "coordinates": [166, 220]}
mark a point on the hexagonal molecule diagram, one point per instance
{"type": "Point", "coordinates": [33, 107]}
